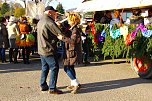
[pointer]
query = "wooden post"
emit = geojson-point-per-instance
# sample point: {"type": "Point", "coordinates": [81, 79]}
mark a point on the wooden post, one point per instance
{"type": "Point", "coordinates": [24, 2]}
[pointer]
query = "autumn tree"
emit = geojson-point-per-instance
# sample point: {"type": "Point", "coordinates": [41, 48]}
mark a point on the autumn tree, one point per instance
{"type": "Point", "coordinates": [19, 12]}
{"type": "Point", "coordinates": [5, 8]}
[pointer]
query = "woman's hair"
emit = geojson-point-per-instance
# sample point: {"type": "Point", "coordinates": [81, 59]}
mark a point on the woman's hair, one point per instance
{"type": "Point", "coordinates": [116, 14]}
{"type": "Point", "coordinates": [74, 17]}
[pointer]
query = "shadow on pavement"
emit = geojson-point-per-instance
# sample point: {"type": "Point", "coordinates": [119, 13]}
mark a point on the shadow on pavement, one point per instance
{"type": "Point", "coordinates": [104, 63]}
{"type": "Point", "coordinates": [101, 63]}
{"type": "Point", "coordinates": [108, 85]}
{"type": "Point", "coordinates": [34, 65]}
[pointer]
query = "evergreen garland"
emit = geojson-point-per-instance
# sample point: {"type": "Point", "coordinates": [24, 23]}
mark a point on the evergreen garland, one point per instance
{"type": "Point", "coordinates": [96, 48]}
{"type": "Point", "coordinates": [142, 46]}
{"type": "Point", "coordinates": [113, 47]}
{"type": "Point", "coordinates": [116, 47]}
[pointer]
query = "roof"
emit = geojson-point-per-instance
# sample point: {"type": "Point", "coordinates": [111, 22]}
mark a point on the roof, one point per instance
{"type": "Point", "coordinates": [101, 5]}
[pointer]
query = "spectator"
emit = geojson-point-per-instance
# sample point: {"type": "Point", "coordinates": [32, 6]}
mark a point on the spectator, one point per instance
{"type": "Point", "coordinates": [34, 32]}
{"type": "Point", "coordinates": [25, 29]}
{"type": "Point", "coordinates": [117, 18]}
{"type": "Point", "coordinates": [136, 18]}
{"type": "Point", "coordinates": [106, 18]}
{"type": "Point", "coordinates": [85, 45]}
{"type": "Point", "coordinates": [13, 30]}
{"type": "Point", "coordinates": [148, 19]}
{"type": "Point", "coordinates": [97, 16]}
{"type": "Point", "coordinates": [4, 42]}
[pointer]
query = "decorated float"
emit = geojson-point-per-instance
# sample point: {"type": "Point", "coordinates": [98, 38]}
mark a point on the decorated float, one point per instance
{"type": "Point", "coordinates": [133, 42]}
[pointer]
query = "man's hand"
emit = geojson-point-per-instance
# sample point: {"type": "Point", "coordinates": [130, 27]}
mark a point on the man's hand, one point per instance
{"type": "Point", "coordinates": [59, 24]}
{"type": "Point", "coordinates": [60, 37]}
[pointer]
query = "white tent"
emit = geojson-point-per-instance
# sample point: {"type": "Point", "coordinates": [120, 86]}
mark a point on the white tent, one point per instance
{"type": "Point", "coordinates": [34, 10]}
{"type": "Point", "coordinates": [20, 2]}
{"type": "Point", "coordinates": [100, 5]}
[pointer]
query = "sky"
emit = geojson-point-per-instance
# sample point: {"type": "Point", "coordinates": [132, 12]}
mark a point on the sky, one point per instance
{"type": "Point", "coordinates": [67, 4]}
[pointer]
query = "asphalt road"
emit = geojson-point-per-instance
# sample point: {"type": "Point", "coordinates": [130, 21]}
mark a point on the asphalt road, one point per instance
{"type": "Point", "coordinates": [101, 81]}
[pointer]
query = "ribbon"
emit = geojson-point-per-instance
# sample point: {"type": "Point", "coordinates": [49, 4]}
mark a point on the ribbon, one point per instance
{"type": "Point", "coordinates": [134, 33]}
{"type": "Point", "coordinates": [129, 39]}
{"type": "Point", "coordinates": [93, 29]}
{"type": "Point", "coordinates": [145, 32]}
{"type": "Point", "coordinates": [142, 27]}
{"type": "Point", "coordinates": [102, 35]}
{"type": "Point", "coordinates": [101, 38]}
{"type": "Point", "coordinates": [114, 34]}
{"type": "Point", "coordinates": [124, 31]}
{"type": "Point", "coordinates": [94, 33]}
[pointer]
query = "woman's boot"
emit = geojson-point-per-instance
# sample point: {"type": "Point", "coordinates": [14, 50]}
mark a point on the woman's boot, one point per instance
{"type": "Point", "coordinates": [76, 86]}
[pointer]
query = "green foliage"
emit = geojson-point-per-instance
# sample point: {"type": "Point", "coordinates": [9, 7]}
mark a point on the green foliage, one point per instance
{"type": "Point", "coordinates": [99, 27]}
{"type": "Point", "coordinates": [9, 9]}
{"type": "Point", "coordinates": [59, 8]}
{"type": "Point", "coordinates": [7, 13]}
{"type": "Point", "coordinates": [19, 12]}
{"type": "Point", "coordinates": [5, 8]}
{"type": "Point", "coordinates": [0, 15]}
{"type": "Point", "coordinates": [96, 48]}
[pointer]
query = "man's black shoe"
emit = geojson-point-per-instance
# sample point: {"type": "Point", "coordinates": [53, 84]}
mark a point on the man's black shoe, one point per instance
{"type": "Point", "coordinates": [46, 88]}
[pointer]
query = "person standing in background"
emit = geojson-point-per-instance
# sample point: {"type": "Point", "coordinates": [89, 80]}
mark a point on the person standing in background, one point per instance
{"type": "Point", "coordinates": [13, 30]}
{"type": "Point", "coordinates": [106, 18]}
{"type": "Point", "coordinates": [25, 29]}
{"type": "Point", "coordinates": [148, 19]}
{"type": "Point", "coordinates": [85, 44]}
{"type": "Point", "coordinates": [34, 32]}
{"type": "Point", "coordinates": [136, 18]}
{"type": "Point", "coordinates": [117, 18]}
{"type": "Point", "coordinates": [4, 42]}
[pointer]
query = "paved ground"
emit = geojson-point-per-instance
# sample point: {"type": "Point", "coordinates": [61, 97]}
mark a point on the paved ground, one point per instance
{"type": "Point", "coordinates": [101, 81]}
